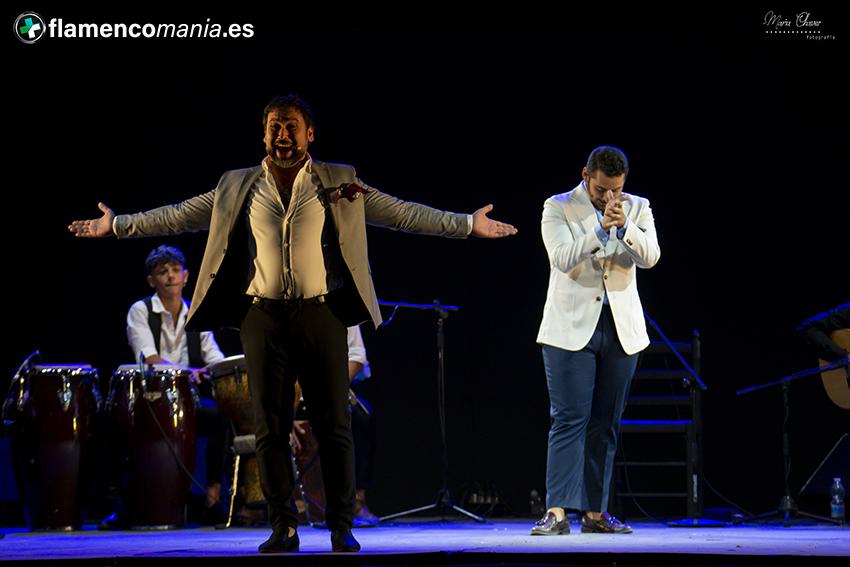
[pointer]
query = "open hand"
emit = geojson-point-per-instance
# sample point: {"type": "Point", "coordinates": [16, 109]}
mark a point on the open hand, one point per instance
{"type": "Point", "coordinates": [95, 228]}
{"type": "Point", "coordinates": [485, 227]}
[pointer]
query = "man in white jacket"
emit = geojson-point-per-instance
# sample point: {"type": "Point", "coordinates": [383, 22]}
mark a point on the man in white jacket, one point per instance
{"type": "Point", "coordinates": [592, 329]}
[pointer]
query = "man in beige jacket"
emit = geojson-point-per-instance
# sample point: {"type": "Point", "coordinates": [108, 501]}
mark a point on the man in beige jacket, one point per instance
{"type": "Point", "coordinates": [286, 260]}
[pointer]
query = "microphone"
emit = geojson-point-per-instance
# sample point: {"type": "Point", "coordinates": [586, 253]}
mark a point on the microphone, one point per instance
{"type": "Point", "coordinates": [143, 381]}
{"type": "Point", "coordinates": [25, 364]}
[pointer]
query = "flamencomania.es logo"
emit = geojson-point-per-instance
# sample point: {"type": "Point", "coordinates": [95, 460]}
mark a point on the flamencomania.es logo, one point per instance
{"type": "Point", "coordinates": [29, 27]}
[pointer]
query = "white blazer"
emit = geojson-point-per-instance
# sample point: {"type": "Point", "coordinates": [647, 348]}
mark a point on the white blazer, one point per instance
{"type": "Point", "coordinates": [581, 268]}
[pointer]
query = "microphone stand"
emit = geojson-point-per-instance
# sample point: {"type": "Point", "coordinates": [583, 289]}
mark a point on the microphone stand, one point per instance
{"type": "Point", "coordinates": [444, 498]}
{"type": "Point", "coordinates": [787, 505]}
{"type": "Point", "coordinates": [20, 376]}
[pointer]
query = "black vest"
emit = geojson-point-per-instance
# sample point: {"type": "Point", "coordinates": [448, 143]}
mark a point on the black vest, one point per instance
{"type": "Point", "coordinates": [196, 360]}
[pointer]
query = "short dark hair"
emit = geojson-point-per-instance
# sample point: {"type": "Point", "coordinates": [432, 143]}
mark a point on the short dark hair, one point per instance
{"type": "Point", "coordinates": [612, 161]}
{"type": "Point", "coordinates": [289, 101]}
{"type": "Point", "coordinates": [164, 255]}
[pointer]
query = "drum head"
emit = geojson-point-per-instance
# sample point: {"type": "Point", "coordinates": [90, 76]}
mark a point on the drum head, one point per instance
{"type": "Point", "coordinates": [61, 369]}
{"type": "Point", "coordinates": [228, 366]}
{"type": "Point", "coordinates": [130, 368]}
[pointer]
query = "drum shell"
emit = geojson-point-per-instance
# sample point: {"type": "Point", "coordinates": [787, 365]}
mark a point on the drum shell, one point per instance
{"type": "Point", "coordinates": [232, 393]}
{"type": "Point", "coordinates": [50, 416]}
{"type": "Point", "coordinates": [154, 432]}
{"type": "Point", "coordinates": [309, 495]}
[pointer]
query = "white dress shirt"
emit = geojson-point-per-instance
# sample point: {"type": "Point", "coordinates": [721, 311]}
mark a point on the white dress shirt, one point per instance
{"type": "Point", "coordinates": [173, 345]}
{"type": "Point", "coordinates": [288, 260]}
{"type": "Point", "coordinates": [357, 353]}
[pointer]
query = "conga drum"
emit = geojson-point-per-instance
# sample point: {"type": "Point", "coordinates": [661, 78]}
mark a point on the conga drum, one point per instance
{"type": "Point", "coordinates": [50, 415]}
{"type": "Point", "coordinates": [154, 434]}
{"type": "Point", "coordinates": [229, 379]}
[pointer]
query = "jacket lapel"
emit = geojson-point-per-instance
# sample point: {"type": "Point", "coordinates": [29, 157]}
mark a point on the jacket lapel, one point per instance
{"type": "Point", "coordinates": [235, 201]}
{"type": "Point", "coordinates": [326, 181]}
{"type": "Point", "coordinates": [585, 209]}
{"type": "Point", "coordinates": [323, 174]}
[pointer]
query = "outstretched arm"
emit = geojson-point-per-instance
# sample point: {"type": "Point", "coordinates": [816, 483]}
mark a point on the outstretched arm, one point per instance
{"type": "Point", "coordinates": [190, 215]}
{"type": "Point", "coordinates": [394, 213]}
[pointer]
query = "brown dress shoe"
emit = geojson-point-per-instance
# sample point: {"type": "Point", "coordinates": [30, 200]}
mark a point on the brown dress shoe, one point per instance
{"type": "Point", "coordinates": [549, 525]}
{"type": "Point", "coordinates": [607, 524]}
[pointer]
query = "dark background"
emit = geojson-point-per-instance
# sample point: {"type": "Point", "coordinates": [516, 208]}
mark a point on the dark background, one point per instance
{"type": "Point", "coordinates": [736, 137]}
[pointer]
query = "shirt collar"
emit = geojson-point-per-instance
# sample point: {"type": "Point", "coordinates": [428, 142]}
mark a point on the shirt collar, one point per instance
{"type": "Point", "coordinates": [156, 303]}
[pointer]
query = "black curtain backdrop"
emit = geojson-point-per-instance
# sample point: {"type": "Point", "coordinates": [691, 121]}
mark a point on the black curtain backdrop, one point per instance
{"type": "Point", "coordinates": [736, 136]}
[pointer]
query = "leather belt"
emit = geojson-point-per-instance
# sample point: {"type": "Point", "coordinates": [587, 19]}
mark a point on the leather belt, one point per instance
{"type": "Point", "coordinates": [266, 303]}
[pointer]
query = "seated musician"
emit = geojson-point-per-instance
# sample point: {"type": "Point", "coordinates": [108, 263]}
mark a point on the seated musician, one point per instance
{"type": "Point", "coordinates": [828, 336]}
{"type": "Point", "coordinates": [155, 331]}
{"type": "Point", "coordinates": [815, 332]}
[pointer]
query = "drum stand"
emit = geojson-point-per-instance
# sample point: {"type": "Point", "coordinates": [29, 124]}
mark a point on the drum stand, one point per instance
{"type": "Point", "coordinates": [444, 500]}
{"type": "Point", "coordinates": [242, 445]}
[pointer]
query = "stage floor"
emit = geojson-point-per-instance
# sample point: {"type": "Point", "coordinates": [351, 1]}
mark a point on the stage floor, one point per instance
{"type": "Point", "coordinates": [455, 542]}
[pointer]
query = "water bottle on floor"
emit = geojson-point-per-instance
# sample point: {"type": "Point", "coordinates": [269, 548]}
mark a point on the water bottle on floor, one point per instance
{"type": "Point", "coordinates": [837, 500]}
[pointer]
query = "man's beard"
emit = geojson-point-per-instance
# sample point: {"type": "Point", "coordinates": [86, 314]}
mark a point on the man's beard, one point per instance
{"type": "Point", "coordinates": [297, 155]}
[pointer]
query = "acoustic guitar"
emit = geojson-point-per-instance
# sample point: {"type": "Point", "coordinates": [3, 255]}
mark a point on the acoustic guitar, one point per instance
{"type": "Point", "coordinates": [837, 381]}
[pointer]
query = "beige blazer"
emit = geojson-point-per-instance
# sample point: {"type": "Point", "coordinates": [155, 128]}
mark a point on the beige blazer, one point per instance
{"type": "Point", "coordinates": [219, 298]}
{"type": "Point", "coordinates": [581, 268]}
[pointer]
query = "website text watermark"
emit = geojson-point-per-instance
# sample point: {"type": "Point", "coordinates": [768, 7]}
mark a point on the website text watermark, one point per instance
{"type": "Point", "coordinates": [30, 28]}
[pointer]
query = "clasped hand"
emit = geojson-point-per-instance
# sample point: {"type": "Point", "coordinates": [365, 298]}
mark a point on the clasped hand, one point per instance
{"type": "Point", "coordinates": [613, 214]}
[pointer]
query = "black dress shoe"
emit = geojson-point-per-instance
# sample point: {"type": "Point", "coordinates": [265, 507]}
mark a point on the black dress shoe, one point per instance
{"type": "Point", "coordinates": [114, 521]}
{"type": "Point", "coordinates": [280, 543]}
{"type": "Point", "coordinates": [549, 525]}
{"type": "Point", "coordinates": [607, 524]}
{"type": "Point", "coordinates": [343, 541]}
